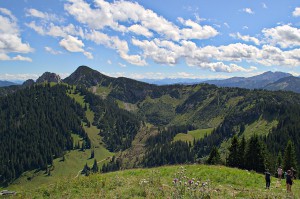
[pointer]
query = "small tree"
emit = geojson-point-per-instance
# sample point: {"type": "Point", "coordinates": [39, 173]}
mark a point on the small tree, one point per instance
{"type": "Point", "coordinates": [214, 156]}
{"type": "Point", "coordinates": [95, 168]}
{"type": "Point", "coordinates": [92, 154]}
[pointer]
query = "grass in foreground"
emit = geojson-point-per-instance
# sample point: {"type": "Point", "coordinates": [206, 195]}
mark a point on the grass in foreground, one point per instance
{"type": "Point", "coordinates": [197, 181]}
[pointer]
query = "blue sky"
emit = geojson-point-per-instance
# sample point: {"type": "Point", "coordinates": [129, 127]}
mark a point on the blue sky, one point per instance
{"type": "Point", "coordinates": [149, 39]}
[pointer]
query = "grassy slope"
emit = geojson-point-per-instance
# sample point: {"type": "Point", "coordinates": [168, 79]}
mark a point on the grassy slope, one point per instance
{"type": "Point", "coordinates": [222, 182]}
{"type": "Point", "coordinates": [74, 160]}
{"type": "Point", "coordinates": [191, 135]}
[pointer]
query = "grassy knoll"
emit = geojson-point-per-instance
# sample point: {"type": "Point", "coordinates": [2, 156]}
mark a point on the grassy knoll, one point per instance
{"type": "Point", "coordinates": [212, 182]}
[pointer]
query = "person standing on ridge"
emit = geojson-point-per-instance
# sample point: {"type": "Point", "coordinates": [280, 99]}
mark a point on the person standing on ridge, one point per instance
{"type": "Point", "coordinates": [279, 172]}
{"type": "Point", "coordinates": [268, 179]}
{"type": "Point", "coordinates": [289, 181]}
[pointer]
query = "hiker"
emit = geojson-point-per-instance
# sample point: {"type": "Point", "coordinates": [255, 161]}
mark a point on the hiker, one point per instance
{"type": "Point", "coordinates": [268, 179]}
{"type": "Point", "coordinates": [279, 172]}
{"type": "Point", "coordinates": [289, 181]}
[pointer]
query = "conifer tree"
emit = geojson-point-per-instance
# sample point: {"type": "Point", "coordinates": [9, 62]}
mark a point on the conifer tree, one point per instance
{"type": "Point", "coordinates": [289, 159]}
{"type": "Point", "coordinates": [254, 156]}
{"type": "Point", "coordinates": [233, 156]}
{"type": "Point", "coordinates": [241, 153]}
{"type": "Point", "coordinates": [95, 168]}
{"type": "Point", "coordinates": [214, 156]}
{"type": "Point", "coordinates": [92, 154]}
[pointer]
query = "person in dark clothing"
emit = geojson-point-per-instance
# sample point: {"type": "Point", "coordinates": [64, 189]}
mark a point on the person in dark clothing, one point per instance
{"type": "Point", "coordinates": [289, 181]}
{"type": "Point", "coordinates": [268, 179]}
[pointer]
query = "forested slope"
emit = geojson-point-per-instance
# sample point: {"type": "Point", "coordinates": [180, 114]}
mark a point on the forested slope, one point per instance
{"type": "Point", "coordinates": [35, 126]}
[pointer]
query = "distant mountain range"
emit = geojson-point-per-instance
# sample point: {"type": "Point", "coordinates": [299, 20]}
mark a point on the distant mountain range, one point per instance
{"type": "Point", "coordinates": [255, 82]}
{"type": "Point", "coordinates": [169, 81]}
{"type": "Point", "coordinates": [7, 83]}
{"type": "Point", "coordinates": [268, 80]}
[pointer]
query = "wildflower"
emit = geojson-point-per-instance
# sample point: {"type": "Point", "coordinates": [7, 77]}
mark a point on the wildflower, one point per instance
{"type": "Point", "coordinates": [175, 180]}
{"type": "Point", "coordinates": [185, 183]}
{"type": "Point", "coordinates": [196, 184]}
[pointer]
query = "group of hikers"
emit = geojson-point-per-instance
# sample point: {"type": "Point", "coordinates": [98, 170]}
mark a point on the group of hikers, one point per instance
{"type": "Point", "coordinates": [289, 176]}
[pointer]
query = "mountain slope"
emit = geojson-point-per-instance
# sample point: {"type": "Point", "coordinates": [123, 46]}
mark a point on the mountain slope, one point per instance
{"type": "Point", "coordinates": [287, 84]}
{"type": "Point", "coordinates": [258, 81]}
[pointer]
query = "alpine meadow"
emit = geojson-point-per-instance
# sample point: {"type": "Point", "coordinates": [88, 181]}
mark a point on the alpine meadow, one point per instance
{"type": "Point", "coordinates": [139, 99]}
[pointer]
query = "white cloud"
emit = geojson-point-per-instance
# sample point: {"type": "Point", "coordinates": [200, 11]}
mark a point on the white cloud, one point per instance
{"type": "Point", "coordinates": [42, 15]}
{"type": "Point", "coordinates": [296, 12]}
{"type": "Point", "coordinates": [221, 67]}
{"type": "Point", "coordinates": [5, 57]}
{"type": "Point", "coordinates": [246, 38]}
{"type": "Point", "coordinates": [109, 62]}
{"type": "Point", "coordinates": [73, 44]}
{"type": "Point", "coordinates": [10, 37]}
{"type": "Point", "coordinates": [54, 52]}
{"type": "Point", "coordinates": [285, 36]}
{"type": "Point", "coordinates": [245, 27]}
{"type": "Point", "coordinates": [105, 14]}
{"type": "Point", "coordinates": [21, 58]}
{"type": "Point", "coordinates": [196, 31]}
{"type": "Point", "coordinates": [122, 65]}
{"type": "Point", "coordinates": [140, 30]}
{"type": "Point", "coordinates": [226, 25]}
{"type": "Point", "coordinates": [248, 10]}
{"type": "Point", "coordinates": [88, 55]}
{"type": "Point", "coordinates": [8, 13]}
{"type": "Point", "coordinates": [264, 5]}
{"type": "Point", "coordinates": [24, 77]}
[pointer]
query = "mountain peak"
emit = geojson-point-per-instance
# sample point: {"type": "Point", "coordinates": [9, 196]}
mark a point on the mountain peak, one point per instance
{"type": "Point", "coordinates": [87, 76]}
{"type": "Point", "coordinates": [49, 77]}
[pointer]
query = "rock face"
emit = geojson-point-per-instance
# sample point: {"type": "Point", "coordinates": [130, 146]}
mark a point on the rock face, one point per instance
{"type": "Point", "coordinates": [49, 77]}
{"type": "Point", "coordinates": [28, 82]}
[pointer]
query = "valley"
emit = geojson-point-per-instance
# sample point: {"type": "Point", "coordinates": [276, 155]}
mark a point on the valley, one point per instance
{"type": "Point", "coordinates": [134, 124]}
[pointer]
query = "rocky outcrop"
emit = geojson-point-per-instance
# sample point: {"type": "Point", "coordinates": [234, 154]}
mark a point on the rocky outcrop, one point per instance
{"type": "Point", "coordinates": [49, 77]}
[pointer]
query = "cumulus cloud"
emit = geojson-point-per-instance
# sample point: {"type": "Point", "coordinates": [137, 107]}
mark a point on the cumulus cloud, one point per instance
{"type": "Point", "coordinates": [248, 10]}
{"type": "Point", "coordinates": [73, 44]}
{"type": "Point", "coordinates": [10, 38]}
{"type": "Point", "coordinates": [284, 36]}
{"type": "Point", "coordinates": [296, 12]}
{"type": "Point", "coordinates": [246, 38]}
{"type": "Point", "coordinates": [112, 15]}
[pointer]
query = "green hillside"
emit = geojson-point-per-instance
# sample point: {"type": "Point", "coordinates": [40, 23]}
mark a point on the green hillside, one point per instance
{"type": "Point", "coordinates": [208, 182]}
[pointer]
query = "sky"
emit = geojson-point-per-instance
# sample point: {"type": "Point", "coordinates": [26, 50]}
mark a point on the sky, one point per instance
{"type": "Point", "coordinates": [205, 39]}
